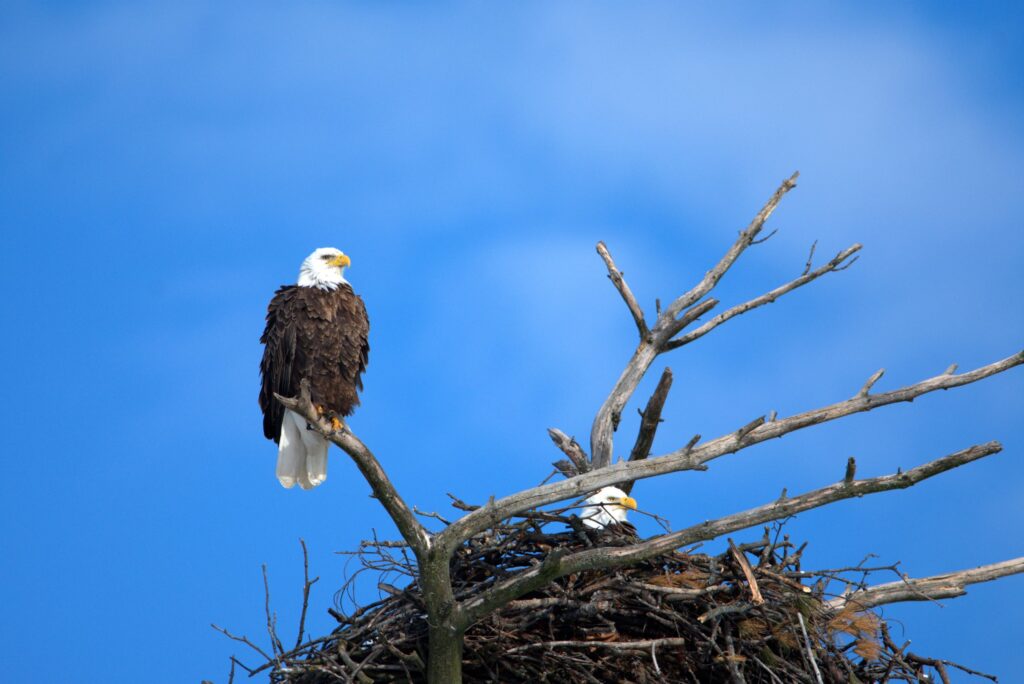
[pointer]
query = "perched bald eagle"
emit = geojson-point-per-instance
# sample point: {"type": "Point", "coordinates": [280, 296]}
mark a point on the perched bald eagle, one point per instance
{"type": "Point", "coordinates": [316, 329]}
{"type": "Point", "coordinates": [608, 507]}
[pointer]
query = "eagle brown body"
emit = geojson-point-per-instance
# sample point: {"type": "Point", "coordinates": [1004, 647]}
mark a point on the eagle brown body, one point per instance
{"type": "Point", "coordinates": [315, 333]}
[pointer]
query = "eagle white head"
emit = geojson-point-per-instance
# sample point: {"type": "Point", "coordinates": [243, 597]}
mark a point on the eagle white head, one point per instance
{"type": "Point", "coordinates": [324, 268]}
{"type": "Point", "coordinates": [606, 507]}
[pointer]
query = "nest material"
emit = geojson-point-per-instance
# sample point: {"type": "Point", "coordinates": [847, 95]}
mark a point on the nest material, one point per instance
{"type": "Point", "coordinates": [744, 616]}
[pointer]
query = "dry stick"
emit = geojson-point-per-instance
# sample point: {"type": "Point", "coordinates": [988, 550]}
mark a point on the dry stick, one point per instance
{"type": "Point", "coordinates": [835, 265]}
{"type": "Point", "coordinates": [559, 563]}
{"type": "Point", "coordinates": [412, 531]}
{"type": "Point", "coordinates": [275, 643]}
{"type": "Point", "coordinates": [948, 585]}
{"type": "Point", "coordinates": [305, 591]}
{"type": "Point", "coordinates": [694, 457]}
{"type": "Point", "coordinates": [571, 448]}
{"type": "Point", "coordinates": [755, 592]}
{"type": "Point", "coordinates": [615, 275]}
{"type": "Point", "coordinates": [643, 645]}
{"type": "Point", "coordinates": [810, 651]}
{"type": "Point", "coordinates": [649, 421]}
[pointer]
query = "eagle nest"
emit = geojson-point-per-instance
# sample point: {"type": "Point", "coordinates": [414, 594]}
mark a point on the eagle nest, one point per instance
{"type": "Point", "coordinates": [751, 614]}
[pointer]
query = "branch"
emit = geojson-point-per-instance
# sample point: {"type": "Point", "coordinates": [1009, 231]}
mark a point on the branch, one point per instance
{"type": "Point", "coordinates": [744, 240]}
{"type": "Point", "coordinates": [615, 275]}
{"type": "Point", "coordinates": [835, 265]}
{"type": "Point", "coordinates": [410, 528]}
{"type": "Point", "coordinates": [949, 585]}
{"type": "Point", "coordinates": [571, 448]}
{"type": "Point", "coordinates": [649, 421]}
{"type": "Point", "coordinates": [670, 323]}
{"type": "Point", "coordinates": [606, 558]}
{"type": "Point", "coordinates": [694, 457]}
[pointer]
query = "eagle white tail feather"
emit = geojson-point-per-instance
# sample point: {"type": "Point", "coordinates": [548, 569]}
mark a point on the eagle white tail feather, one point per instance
{"type": "Point", "coordinates": [302, 454]}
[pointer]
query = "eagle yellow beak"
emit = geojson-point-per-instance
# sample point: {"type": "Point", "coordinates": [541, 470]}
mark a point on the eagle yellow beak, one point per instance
{"type": "Point", "coordinates": [628, 502]}
{"type": "Point", "coordinates": [341, 260]}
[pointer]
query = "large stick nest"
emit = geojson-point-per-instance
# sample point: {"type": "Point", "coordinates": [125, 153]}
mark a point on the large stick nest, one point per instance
{"type": "Point", "coordinates": [749, 615]}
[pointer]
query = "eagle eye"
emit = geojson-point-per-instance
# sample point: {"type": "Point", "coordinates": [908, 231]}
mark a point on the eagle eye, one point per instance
{"type": "Point", "coordinates": [325, 257]}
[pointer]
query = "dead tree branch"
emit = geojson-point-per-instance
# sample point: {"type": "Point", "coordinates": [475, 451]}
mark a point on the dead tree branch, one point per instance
{"type": "Point", "coordinates": [836, 264]}
{"type": "Point", "coordinates": [650, 418]}
{"type": "Point", "coordinates": [615, 275]}
{"type": "Point", "coordinates": [948, 585]}
{"type": "Point", "coordinates": [558, 564]}
{"type": "Point", "coordinates": [412, 531]}
{"type": "Point", "coordinates": [694, 457]}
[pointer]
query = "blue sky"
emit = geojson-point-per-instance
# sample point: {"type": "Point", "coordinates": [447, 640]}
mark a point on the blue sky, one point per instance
{"type": "Point", "coordinates": [164, 167]}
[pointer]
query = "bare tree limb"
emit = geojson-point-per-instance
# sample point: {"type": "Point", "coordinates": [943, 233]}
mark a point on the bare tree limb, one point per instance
{"type": "Point", "coordinates": [558, 563]}
{"type": "Point", "coordinates": [615, 275]}
{"type": "Point", "coordinates": [694, 457]}
{"type": "Point", "coordinates": [767, 298]}
{"type": "Point", "coordinates": [746, 237]}
{"type": "Point", "coordinates": [670, 323]}
{"type": "Point", "coordinates": [571, 448]}
{"type": "Point", "coordinates": [948, 585]}
{"type": "Point", "coordinates": [410, 528]}
{"type": "Point", "coordinates": [649, 421]}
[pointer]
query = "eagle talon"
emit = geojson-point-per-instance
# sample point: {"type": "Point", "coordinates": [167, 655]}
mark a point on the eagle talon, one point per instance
{"type": "Point", "coordinates": [336, 424]}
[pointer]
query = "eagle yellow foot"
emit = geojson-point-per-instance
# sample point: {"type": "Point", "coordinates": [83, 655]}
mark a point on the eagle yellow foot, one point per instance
{"type": "Point", "coordinates": [336, 424]}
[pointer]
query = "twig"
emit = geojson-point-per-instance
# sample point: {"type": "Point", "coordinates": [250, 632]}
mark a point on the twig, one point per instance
{"type": "Point", "coordinates": [571, 448]}
{"type": "Point", "coordinates": [627, 295]}
{"type": "Point", "coordinates": [870, 383]}
{"type": "Point", "coordinates": [611, 645]}
{"type": "Point", "coordinates": [833, 266]}
{"type": "Point", "coordinates": [275, 643]}
{"type": "Point", "coordinates": [755, 592]}
{"type": "Point", "coordinates": [305, 592]}
{"type": "Point", "coordinates": [810, 651]}
{"type": "Point", "coordinates": [245, 640]}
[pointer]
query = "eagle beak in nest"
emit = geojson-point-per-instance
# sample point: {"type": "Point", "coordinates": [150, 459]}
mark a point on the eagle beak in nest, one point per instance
{"type": "Point", "coordinates": [341, 260]}
{"type": "Point", "coordinates": [628, 502]}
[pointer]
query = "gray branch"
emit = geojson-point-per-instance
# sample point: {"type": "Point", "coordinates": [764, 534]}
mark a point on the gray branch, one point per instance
{"type": "Point", "coordinates": [615, 275]}
{"type": "Point", "coordinates": [686, 309]}
{"type": "Point", "coordinates": [694, 457]}
{"type": "Point", "coordinates": [948, 585]}
{"type": "Point", "coordinates": [558, 564]}
{"type": "Point", "coordinates": [412, 531]}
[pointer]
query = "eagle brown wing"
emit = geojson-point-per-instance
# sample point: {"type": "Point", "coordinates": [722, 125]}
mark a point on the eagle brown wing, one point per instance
{"type": "Point", "coordinates": [318, 334]}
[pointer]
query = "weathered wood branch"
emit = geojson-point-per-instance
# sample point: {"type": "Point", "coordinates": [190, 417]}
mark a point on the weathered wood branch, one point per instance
{"type": "Point", "coordinates": [571, 448]}
{"type": "Point", "coordinates": [410, 528]}
{"type": "Point", "coordinates": [745, 239]}
{"type": "Point", "coordinates": [604, 558]}
{"type": "Point", "coordinates": [948, 585]}
{"type": "Point", "coordinates": [694, 457]}
{"type": "Point", "coordinates": [650, 418]}
{"type": "Point", "coordinates": [615, 275]}
{"type": "Point", "coordinates": [683, 311]}
{"type": "Point", "coordinates": [832, 266]}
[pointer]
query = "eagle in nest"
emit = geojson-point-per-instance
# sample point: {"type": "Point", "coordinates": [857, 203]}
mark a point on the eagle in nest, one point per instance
{"type": "Point", "coordinates": [316, 329]}
{"type": "Point", "coordinates": [607, 509]}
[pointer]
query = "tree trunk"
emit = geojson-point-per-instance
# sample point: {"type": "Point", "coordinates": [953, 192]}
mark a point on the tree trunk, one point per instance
{"type": "Point", "coordinates": [444, 663]}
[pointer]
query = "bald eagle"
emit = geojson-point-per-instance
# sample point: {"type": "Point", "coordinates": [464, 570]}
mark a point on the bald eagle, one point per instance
{"type": "Point", "coordinates": [316, 329]}
{"type": "Point", "coordinates": [608, 507]}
